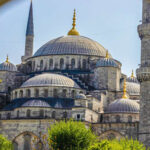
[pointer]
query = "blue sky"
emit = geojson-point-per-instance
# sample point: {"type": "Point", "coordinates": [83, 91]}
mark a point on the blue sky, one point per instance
{"type": "Point", "coordinates": [112, 23]}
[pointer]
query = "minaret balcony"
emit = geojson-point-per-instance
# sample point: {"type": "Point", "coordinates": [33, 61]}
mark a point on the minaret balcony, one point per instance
{"type": "Point", "coordinates": [143, 74]}
{"type": "Point", "coordinates": [144, 30]}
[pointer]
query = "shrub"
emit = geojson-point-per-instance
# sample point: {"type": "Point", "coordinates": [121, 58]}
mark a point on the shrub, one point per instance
{"type": "Point", "coordinates": [4, 143]}
{"type": "Point", "coordinates": [70, 135]}
{"type": "Point", "coordinates": [123, 144]}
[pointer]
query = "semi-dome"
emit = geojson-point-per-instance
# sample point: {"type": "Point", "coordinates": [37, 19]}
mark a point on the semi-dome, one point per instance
{"type": "Point", "coordinates": [71, 45]}
{"type": "Point", "coordinates": [50, 79]}
{"type": "Point", "coordinates": [123, 106]}
{"type": "Point", "coordinates": [7, 66]}
{"type": "Point", "coordinates": [36, 103]}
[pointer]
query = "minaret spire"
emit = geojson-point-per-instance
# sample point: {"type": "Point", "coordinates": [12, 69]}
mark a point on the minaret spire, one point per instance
{"type": "Point", "coordinates": [29, 35]}
{"type": "Point", "coordinates": [30, 27]}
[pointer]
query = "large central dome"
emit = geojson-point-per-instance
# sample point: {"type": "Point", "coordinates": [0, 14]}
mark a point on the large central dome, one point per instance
{"type": "Point", "coordinates": [72, 45]}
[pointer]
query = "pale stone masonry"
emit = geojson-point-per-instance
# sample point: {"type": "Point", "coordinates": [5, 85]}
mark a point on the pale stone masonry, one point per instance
{"type": "Point", "coordinates": [71, 76]}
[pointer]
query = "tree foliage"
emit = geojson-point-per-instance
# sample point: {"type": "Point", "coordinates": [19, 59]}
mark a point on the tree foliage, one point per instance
{"type": "Point", "coordinates": [4, 143]}
{"type": "Point", "coordinates": [123, 144]}
{"type": "Point", "coordinates": [70, 135]}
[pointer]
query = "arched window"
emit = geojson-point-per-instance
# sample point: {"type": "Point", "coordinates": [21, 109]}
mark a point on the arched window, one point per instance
{"type": "Point", "coordinates": [53, 114]}
{"type": "Point", "coordinates": [130, 119]}
{"type": "Point", "coordinates": [18, 114]}
{"type": "Point", "coordinates": [8, 116]}
{"type": "Point", "coordinates": [64, 93]}
{"type": "Point", "coordinates": [84, 64]}
{"type": "Point", "coordinates": [28, 113]}
{"type": "Point", "coordinates": [50, 63]}
{"type": "Point", "coordinates": [55, 93]}
{"type": "Point", "coordinates": [72, 63]}
{"type": "Point", "coordinates": [61, 63]}
{"type": "Point", "coordinates": [41, 113]}
{"type": "Point", "coordinates": [118, 118]}
{"type": "Point", "coordinates": [28, 93]}
{"type": "Point", "coordinates": [73, 93]}
{"type": "Point", "coordinates": [64, 114]}
{"type": "Point", "coordinates": [27, 142]}
{"type": "Point", "coordinates": [33, 65]}
{"type": "Point", "coordinates": [36, 93]}
{"type": "Point", "coordinates": [41, 65]}
{"type": "Point", "coordinates": [16, 94]}
{"type": "Point", "coordinates": [21, 94]}
{"type": "Point", "coordinates": [9, 90]}
{"type": "Point", "coordinates": [101, 118]}
{"type": "Point", "coordinates": [46, 93]}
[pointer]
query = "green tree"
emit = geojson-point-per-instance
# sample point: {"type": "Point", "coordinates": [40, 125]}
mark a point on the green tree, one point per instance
{"type": "Point", "coordinates": [123, 144]}
{"type": "Point", "coordinates": [4, 143]}
{"type": "Point", "coordinates": [70, 135]}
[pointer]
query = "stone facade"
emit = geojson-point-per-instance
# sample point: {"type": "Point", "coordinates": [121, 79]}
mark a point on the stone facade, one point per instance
{"type": "Point", "coordinates": [68, 77]}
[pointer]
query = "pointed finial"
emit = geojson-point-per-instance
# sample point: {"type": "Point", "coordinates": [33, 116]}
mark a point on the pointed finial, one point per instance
{"type": "Point", "coordinates": [7, 59]}
{"type": "Point", "coordinates": [124, 90]}
{"type": "Point", "coordinates": [73, 31]}
{"type": "Point", "coordinates": [132, 74]}
{"type": "Point", "coordinates": [107, 55]}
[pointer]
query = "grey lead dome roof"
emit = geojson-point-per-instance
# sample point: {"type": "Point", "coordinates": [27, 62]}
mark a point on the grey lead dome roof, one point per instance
{"type": "Point", "coordinates": [123, 106]}
{"type": "Point", "coordinates": [49, 79]}
{"type": "Point", "coordinates": [106, 62]}
{"type": "Point", "coordinates": [36, 103]}
{"type": "Point", "coordinates": [76, 45]}
{"type": "Point", "coordinates": [7, 66]}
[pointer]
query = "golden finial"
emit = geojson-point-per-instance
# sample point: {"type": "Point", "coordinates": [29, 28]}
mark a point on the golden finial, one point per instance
{"type": "Point", "coordinates": [107, 55]}
{"type": "Point", "coordinates": [73, 31]}
{"type": "Point", "coordinates": [124, 90]}
{"type": "Point", "coordinates": [7, 59]}
{"type": "Point", "coordinates": [132, 75]}
{"type": "Point", "coordinates": [1, 80]}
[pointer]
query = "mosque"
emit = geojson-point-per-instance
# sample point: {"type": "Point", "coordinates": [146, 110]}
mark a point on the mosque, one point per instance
{"type": "Point", "coordinates": [71, 76]}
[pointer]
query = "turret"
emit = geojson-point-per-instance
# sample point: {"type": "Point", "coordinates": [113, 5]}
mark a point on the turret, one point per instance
{"type": "Point", "coordinates": [29, 36]}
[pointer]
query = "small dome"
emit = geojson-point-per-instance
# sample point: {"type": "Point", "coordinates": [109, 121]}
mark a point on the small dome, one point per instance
{"type": "Point", "coordinates": [50, 79]}
{"type": "Point", "coordinates": [133, 88]}
{"type": "Point", "coordinates": [80, 96]}
{"type": "Point", "coordinates": [36, 103]}
{"type": "Point", "coordinates": [132, 79]}
{"type": "Point", "coordinates": [71, 45]}
{"type": "Point", "coordinates": [106, 62]}
{"type": "Point", "coordinates": [7, 66]}
{"type": "Point", "coordinates": [123, 106]}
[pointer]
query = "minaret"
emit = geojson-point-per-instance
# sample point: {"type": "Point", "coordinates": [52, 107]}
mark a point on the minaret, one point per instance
{"type": "Point", "coordinates": [143, 75]}
{"type": "Point", "coordinates": [29, 36]}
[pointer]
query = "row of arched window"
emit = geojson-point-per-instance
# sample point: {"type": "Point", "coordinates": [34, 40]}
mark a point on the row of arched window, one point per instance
{"type": "Point", "coordinates": [56, 93]}
{"type": "Point", "coordinates": [62, 64]}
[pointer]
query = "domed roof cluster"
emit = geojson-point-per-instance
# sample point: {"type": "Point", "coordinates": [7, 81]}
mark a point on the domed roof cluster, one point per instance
{"type": "Point", "coordinates": [49, 79]}
{"type": "Point", "coordinates": [36, 103]}
{"type": "Point", "coordinates": [7, 66]}
{"type": "Point", "coordinates": [106, 62]}
{"type": "Point", "coordinates": [123, 106]}
{"type": "Point", "coordinates": [71, 45]}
